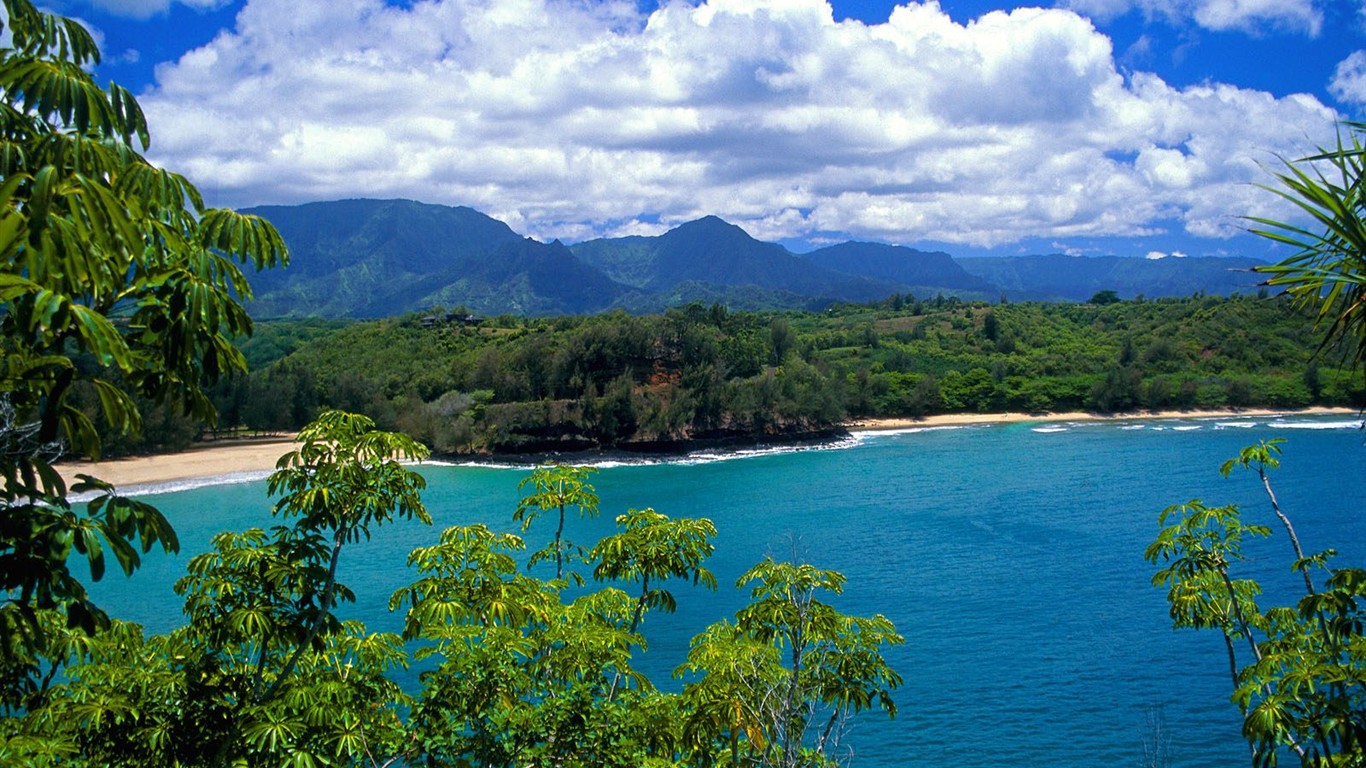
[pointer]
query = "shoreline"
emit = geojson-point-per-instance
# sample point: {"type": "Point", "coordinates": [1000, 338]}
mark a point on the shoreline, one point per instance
{"type": "Point", "coordinates": [222, 458]}
{"type": "Point", "coordinates": [978, 419]}
{"type": "Point", "coordinates": [258, 456]}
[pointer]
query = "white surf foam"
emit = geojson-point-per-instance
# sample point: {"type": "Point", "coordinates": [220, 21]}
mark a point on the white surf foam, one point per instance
{"type": "Point", "coordinates": [1285, 424]}
{"type": "Point", "coordinates": [176, 486]}
{"type": "Point", "coordinates": [714, 456]}
{"type": "Point", "coordinates": [704, 456]}
{"type": "Point", "coordinates": [867, 434]}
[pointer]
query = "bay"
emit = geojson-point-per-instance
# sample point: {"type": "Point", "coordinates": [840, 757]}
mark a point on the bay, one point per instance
{"type": "Point", "coordinates": [1010, 556]}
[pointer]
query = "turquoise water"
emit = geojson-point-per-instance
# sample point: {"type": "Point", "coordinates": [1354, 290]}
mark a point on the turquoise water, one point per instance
{"type": "Point", "coordinates": [1009, 556]}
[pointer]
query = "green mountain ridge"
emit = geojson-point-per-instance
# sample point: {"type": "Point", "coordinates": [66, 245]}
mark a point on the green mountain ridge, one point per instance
{"type": "Point", "coordinates": [902, 265]}
{"type": "Point", "coordinates": [526, 277]}
{"type": "Point", "coordinates": [364, 258]}
{"type": "Point", "coordinates": [712, 252]}
{"type": "Point", "coordinates": [1059, 277]}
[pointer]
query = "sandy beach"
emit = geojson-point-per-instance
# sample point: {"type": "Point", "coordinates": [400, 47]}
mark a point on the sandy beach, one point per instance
{"type": "Point", "coordinates": [964, 419]}
{"type": "Point", "coordinates": [226, 457]}
{"type": "Point", "coordinates": [260, 455]}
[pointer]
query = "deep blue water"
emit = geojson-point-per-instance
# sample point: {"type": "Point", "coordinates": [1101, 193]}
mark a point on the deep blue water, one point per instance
{"type": "Point", "coordinates": [1009, 556]}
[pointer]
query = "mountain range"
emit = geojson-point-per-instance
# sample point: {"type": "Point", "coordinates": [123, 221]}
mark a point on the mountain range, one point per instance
{"type": "Point", "coordinates": [376, 258]}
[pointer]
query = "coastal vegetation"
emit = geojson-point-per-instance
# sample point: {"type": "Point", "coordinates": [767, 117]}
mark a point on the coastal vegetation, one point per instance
{"type": "Point", "coordinates": [517, 669]}
{"type": "Point", "coordinates": [700, 375]}
{"type": "Point", "coordinates": [1298, 671]}
{"type": "Point", "coordinates": [121, 292]}
{"type": "Point", "coordinates": [117, 284]}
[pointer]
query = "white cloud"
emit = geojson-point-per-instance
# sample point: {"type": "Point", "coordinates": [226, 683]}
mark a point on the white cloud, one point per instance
{"type": "Point", "coordinates": [572, 120]}
{"type": "Point", "coordinates": [1349, 80]}
{"type": "Point", "coordinates": [1252, 16]}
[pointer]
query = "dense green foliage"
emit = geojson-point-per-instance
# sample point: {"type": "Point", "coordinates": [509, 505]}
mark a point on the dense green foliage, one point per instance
{"type": "Point", "coordinates": [705, 373]}
{"type": "Point", "coordinates": [519, 670]}
{"type": "Point", "coordinates": [1298, 671]}
{"type": "Point", "coordinates": [1300, 680]}
{"type": "Point", "coordinates": [118, 288]}
{"type": "Point", "coordinates": [120, 310]}
{"type": "Point", "coordinates": [119, 296]}
{"type": "Point", "coordinates": [1327, 273]}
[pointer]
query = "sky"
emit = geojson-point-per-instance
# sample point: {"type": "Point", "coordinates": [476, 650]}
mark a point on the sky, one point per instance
{"type": "Point", "coordinates": [1131, 127]}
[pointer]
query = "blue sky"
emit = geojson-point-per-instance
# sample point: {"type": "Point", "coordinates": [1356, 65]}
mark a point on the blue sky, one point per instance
{"type": "Point", "coordinates": [1137, 127]}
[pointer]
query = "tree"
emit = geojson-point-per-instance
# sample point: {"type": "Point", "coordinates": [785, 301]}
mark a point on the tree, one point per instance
{"type": "Point", "coordinates": [557, 488]}
{"type": "Point", "coordinates": [345, 478]}
{"type": "Point", "coordinates": [653, 547]}
{"type": "Point", "coordinates": [523, 678]}
{"type": "Point", "coordinates": [781, 340]}
{"type": "Point", "coordinates": [267, 670]}
{"type": "Point", "coordinates": [1197, 551]}
{"type": "Point", "coordinates": [114, 277]}
{"type": "Point", "coordinates": [1301, 682]}
{"type": "Point", "coordinates": [264, 671]}
{"type": "Point", "coordinates": [1302, 686]}
{"type": "Point", "coordinates": [752, 706]}
{"type": "Point", "coordinates": [1327, 273]}
{"type": "Point", "coordinates": [526, 678]}
{"type": "Point", "coordinates": [991, 327]}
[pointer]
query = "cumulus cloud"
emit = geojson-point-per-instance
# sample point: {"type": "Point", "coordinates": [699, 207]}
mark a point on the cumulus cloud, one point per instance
{"type": "Point", "coordinates": [1349, 80]}
{"type": "Point", "coordinates": [1252, 16]}
{"type": "Point", "coordinates": [574, 120]}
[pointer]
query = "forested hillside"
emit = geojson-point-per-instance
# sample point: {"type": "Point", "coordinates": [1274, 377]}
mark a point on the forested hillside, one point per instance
{"type": "Point", "coordinates": [382, 258]}
{"type": "Point", "coordinates": [1059, 277]}
{"type": "Point", "coordinates": [702, 374]}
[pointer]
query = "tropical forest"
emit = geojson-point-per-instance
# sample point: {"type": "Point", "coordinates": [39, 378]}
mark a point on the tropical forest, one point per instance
{"type": "Point", "coordinates": [516, 639]}
{"type": "Point", "coordinates": [699, 376]}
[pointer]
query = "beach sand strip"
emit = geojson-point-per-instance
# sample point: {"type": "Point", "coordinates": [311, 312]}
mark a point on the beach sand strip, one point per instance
{"type": "Point", "coordinates": [244, 456]}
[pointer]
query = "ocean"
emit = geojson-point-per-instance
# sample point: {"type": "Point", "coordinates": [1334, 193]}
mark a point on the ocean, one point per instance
{"type": "Point", "coordinates": [1010, 557]}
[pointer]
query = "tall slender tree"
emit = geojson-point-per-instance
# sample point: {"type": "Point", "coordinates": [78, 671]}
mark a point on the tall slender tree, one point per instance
{"type": "Point", "coordinates": [557, 487]}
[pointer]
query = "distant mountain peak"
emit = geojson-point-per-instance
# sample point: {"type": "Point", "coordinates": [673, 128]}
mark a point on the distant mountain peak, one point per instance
{"type": "Point", "coordinates": [369, 257]}
{"type": "Point", "coordinates": [707, 225]}
{"type": "Point", "coordinates": [711, 218]}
